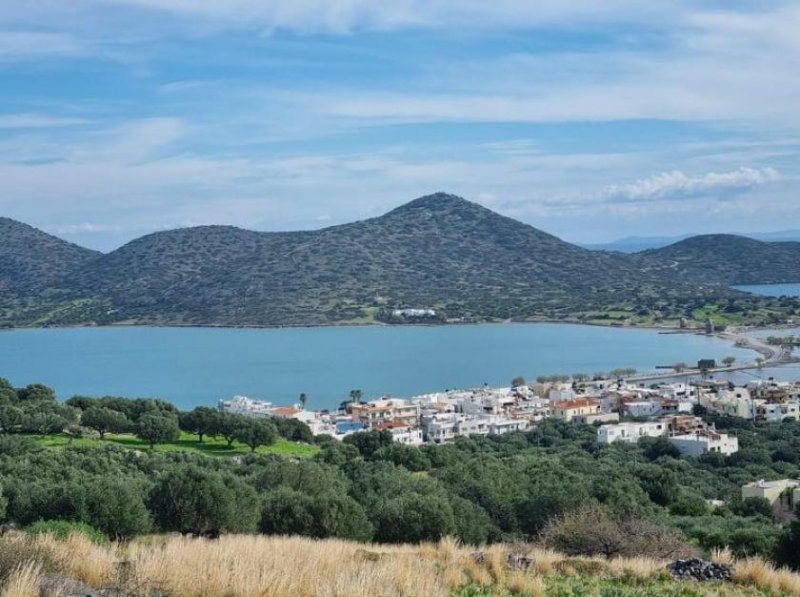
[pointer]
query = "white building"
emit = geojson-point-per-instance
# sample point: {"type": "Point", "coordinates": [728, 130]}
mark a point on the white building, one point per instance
{"type": "Point", "coordinates": [777, 412]}
{"type": "Point", "coordinates": [643, 408]}
{"type": "Point", "coordinates": [242, 405]}
{"type": "Point", "coordinates": [630, 432]}
{"type": "Point", "coordinates": [697, 444]}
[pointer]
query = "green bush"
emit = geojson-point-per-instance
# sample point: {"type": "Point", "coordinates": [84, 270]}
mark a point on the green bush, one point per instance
{"type": "Point", "coordinates": [63, 529]}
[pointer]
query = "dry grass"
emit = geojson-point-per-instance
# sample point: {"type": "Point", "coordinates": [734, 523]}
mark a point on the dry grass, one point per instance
{"type": "Point", "coordinates": [640, 568]}
{"type": "Point", "coordinates": [520, 583]}
{"type": "Point", "coordinates": [722, 556]}
{"type": "Point", "coordinates": [23, 581]}
{"type": "Point", "coordinates": [764, 576]}
{"type": "Point", "coordinates": [245, 566]}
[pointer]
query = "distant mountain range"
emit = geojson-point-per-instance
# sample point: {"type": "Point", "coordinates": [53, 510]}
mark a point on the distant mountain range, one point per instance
{"type": "Point", "coordinates": [634, 244]}
{"type": "Point", "coordinates": [438, 251]}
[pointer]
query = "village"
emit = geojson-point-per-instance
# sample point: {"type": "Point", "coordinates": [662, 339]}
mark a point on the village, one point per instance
{"type": "Point", "coordinates": [620, 410]}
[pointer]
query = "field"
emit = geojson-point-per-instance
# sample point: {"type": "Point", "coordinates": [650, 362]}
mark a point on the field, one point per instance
{"type": "Point", "coordinates": [186, 443]}
{"type": "Point", "coordinates": [244, 566]}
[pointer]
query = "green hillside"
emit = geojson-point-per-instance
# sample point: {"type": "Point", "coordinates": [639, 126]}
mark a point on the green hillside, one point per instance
{"type": "Point", "coordinates": [439, 251]}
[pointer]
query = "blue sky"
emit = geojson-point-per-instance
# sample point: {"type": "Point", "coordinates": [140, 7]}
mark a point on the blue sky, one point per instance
{"type": "Point", "coordinates": [590, 120]}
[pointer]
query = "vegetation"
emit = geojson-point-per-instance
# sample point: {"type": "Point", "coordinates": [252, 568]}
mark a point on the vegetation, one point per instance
{"type": "Point", "coordinates": [554, 485]}
{"type": "Point", "coordinates": [439, 252]}
{"type": "Point", "coordinates": [246, 565]}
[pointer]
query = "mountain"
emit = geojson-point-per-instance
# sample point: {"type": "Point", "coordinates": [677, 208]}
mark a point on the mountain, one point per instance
{"type": "Point", "coordinates": [31, 260]}
{"type": "Point", "coordinates": [635, 244]}
{"type": "Point", "coordinates": [438, 251]}
{"type": "Point", "coordinates": [729, 259]}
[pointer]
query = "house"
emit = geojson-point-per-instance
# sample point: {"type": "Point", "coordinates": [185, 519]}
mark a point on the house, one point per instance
{"type": "Point", "coordinates": [391, 409]}
{"type": "Point", "coordinates": [787, 490]}
{"type": "Point", "coordinates": [630, 432]}
{"type": "Point", "coordinates": [705, 442]}
{"type": "Point", "coordinates": [568, 410]}
{"type": "Point", "coordinates": [242, 405]}
{"type": "Point", "coordinates": [643, 408]}
{"type": "Point", "coordinates": [778, 411]}
{"type": "Point", "coordinates": [402, 433]}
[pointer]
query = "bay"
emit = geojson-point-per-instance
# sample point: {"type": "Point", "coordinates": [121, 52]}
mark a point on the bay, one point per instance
{"type": "Point", "coordinates": [771, 289]}
{"type": "Point", "coordinates": [198, 366]}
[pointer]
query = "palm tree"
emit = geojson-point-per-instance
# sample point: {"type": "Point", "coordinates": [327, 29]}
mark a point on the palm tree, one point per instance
{"type": "Point", "coordinates": [302, 400]}
{"type": "Point", "coordinates": [355, 396]}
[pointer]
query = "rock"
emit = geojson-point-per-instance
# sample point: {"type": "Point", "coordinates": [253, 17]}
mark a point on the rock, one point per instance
{"type": "Point", "coordinates": [700, 570]}
{"type": "Point", "coordinates": [516, 561]}
{"type": "Point", "coordinates": [65, 587]}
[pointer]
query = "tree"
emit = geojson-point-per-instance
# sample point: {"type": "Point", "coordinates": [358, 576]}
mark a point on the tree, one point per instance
{"type": "Point", "coordinates": [43, 423]}
{"type": "Point", "coordinates": [302, 400]}
{"type": "Point", "coordinates": [190, 499]}
{"type": "Point", "coordinates": [256, 432]}
{"type": "Point", "coordinates": [760, 361]}
{"type": "Point", "coordinates": [116, 507]}
{"type": "Point", "coordinates": [369, 442]}
{"type": "Point", "coordinates": [226, 426]}
{"type": "Point", "coordinates": [35, 392]}
{"type": "Point", "coordinates": [413, 518]}
{"type": "Point", "coordinates": [679, 367]}
{"type": "Point", "coordinates": [104, 420]}
{"type": "Point", "coordinates": [787, 551]}
{"type": "Point", "coordinates": [201, 421]}
{"type": "Point", "coordinates": [290, 512]}
{"type": "Point", "coordinates": [753, 506]}
{"type": "Point", "coordinates": [660, 484]}
{"type": "Point", "coordinates": [157, 428]}
{"type": "Point", "coordinates": [518, 382]}
{"type": "Point", "coordinates": [728, 361]}
{"type": "Point", "coordinates": [10, 418]}
{"type": "Point", "coordinates": [355, 396]}
{"type": "Point", "coordinates": [592, 530]}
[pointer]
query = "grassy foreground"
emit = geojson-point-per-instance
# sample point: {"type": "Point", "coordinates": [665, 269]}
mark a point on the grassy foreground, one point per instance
{"type": "Point", "coordinates": [186, 443]}
{"type": "Point", "coordinates": [250, 566]}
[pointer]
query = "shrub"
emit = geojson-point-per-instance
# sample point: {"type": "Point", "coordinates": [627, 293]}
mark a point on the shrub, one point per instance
{"type": "Point", "coordinates": [63, 529]}
{"type": "Point", "coordinates": [593, 530]}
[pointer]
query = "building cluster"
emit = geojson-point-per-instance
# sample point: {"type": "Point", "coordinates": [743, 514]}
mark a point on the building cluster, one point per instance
{"type": "Point", "coordinates": [663, 410]}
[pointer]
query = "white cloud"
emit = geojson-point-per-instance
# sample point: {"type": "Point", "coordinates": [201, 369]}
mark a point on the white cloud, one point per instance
{"type": "Point", "coordinates": [31, 120]}
{"type": "Point", "coordinates": [345, 16]}
{"type": "Point", "coordinates": [15, 45]}
{"type": "Point", "coordinates": [677, 184]}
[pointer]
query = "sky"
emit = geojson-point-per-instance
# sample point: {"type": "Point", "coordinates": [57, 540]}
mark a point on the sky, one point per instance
{"type": "Point", "coordinates": [591, 120]}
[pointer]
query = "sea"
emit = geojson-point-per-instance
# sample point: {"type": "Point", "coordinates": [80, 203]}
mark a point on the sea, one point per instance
{"type": "Point", "coordinates": [199, 366]}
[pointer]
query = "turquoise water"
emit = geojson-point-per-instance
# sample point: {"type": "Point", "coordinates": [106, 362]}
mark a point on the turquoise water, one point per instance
{"type": "Point", "coordinates": [772, 289]}
{"type": "Point", "coordinates": [193, 366]}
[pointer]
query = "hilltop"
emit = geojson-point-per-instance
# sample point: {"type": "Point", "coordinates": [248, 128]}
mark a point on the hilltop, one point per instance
{"type": "Point", "coordinates": [439, 251]}
{"type": "Point", "coordinates": [731, 259]}
{"type": "Point", "coordinates": [32, 260]}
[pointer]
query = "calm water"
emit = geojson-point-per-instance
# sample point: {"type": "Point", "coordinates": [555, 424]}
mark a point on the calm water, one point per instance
{"type": "Point", "coordinates": [772, 289]}
{"type": "Point", "coordinates": [192, 366]}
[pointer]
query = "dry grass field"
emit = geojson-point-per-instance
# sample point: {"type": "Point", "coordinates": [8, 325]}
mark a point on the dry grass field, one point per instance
{"type": "Point", "coordinates": [259, 566]}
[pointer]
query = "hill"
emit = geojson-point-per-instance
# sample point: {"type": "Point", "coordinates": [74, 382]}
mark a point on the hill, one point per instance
{"type": "Point", "coordinates": [32, 260]}
{"type": "Point", "coordinates": [437, 251]}
{"type": "Point", "coordinates": [730, 259]}
{"type": "Point", "coordinates": [440, 252]}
